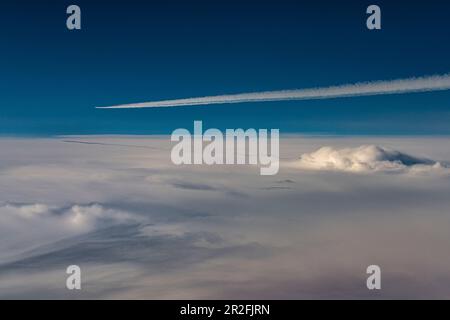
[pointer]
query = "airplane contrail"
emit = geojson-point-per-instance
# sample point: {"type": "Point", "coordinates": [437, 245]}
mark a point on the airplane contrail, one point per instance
{"type": "Point", "coordinates": [398, 86]}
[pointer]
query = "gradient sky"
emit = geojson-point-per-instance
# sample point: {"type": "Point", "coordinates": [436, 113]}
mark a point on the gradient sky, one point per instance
{"type": "Point", "coordinates": [134, 51]}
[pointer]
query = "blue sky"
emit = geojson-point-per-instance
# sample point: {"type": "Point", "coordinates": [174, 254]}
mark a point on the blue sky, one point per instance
{"type": "Point", "coordinates": [136, 51]}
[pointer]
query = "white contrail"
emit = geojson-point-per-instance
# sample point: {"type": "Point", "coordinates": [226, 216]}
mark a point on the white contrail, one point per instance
{"type": "Point", "coordinates": [419, 84]}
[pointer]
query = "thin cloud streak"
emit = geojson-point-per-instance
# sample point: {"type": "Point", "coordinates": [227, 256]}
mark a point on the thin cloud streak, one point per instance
{"type": "Point", "coordinates": [409, 85]}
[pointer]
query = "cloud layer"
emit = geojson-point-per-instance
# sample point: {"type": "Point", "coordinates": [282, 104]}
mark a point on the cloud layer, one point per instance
{"type": "Point", "coordinates": [366, 158]}
{"type": "Point", "coordinates": [418, 84]}
{"type": "Point", "coordinates": [141, 227]}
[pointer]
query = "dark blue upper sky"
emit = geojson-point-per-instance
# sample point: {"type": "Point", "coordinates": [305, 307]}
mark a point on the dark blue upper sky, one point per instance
{"type": "Point", "coordinates": [135, 51]}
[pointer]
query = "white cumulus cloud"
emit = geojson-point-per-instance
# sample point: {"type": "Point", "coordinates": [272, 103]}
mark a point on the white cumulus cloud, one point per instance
{"type": "Point", "coordinates": [24, 226]}
{"type": "Point", "coordinates": [365, 158]}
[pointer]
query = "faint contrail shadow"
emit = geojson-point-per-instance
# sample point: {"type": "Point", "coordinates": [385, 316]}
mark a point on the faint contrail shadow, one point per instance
{"type": "Point", "coordinates": [110, 144]}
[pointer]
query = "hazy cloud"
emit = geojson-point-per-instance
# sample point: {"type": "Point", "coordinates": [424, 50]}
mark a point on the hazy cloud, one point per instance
{"type": "Point", "coordinates": [141, 227]}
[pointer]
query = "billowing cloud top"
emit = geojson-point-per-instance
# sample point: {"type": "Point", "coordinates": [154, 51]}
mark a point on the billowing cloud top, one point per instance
{"type": "Point", "coordinates": [366, 158]}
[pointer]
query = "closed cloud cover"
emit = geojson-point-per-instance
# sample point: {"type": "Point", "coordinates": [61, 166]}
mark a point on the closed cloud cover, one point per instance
{"type": "Point", "coordinates": [366, 158]}
{"type": "Point", "coordinates": [141, 227]}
